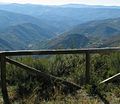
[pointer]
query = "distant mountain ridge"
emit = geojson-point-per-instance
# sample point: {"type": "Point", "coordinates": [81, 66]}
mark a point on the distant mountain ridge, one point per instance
{"type": "Point", "coordinates": [65, 26]}
{"type": "Point", "coordinates": [64, 17]}
{"type": "Point", "coordinates": [102, 28]}
{"type": "Point", "coordinates": [23, 36]}
{"type": "Point", "coordinates": [102, 33]}
{"type": "Point", "coordinates": [88, 6]}
{"type": "Point", "coordinates": [10, 19]}
{"type": "Point", "coordinates": [65, 41]}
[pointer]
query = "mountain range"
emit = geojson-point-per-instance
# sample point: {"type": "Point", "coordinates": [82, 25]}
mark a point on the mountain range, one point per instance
{"type": "Point", "coordinates": [28, 26]}
{"type": "Point", "coordinates": [65, 41]}
{"type": "Point", "coordinates": [101, 33]}
{"type": "Point", "coordinates": [66, 16]}
{"type": "Point", "coordinates": [23, 36]}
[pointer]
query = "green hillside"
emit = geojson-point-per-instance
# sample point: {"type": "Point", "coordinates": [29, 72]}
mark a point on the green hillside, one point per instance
{"type": "Point", "coordinates": [66, 41]}
{"type": "Point", "coordinates": [5, 45]}
{"type": "Point", "coordinates": [23, 36]}
{"type": "Point", "coordinates": [113, 41]}
{"type": "Point", "coordinates": [99, 33]}
{"type": "Point", "coordinates": [31, 31]}
{"type": "Point", "coordinates": [102, 33]}
{"type": "Point", "coordinates": [102, 28]}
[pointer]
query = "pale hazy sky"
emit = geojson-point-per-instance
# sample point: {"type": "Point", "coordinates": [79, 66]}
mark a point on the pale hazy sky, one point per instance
{"type": "Point", "coordinates": [57, 2]}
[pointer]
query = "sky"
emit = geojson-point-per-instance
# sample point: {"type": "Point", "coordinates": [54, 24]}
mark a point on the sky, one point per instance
{"type": "Point", "coordinates": [59, 2]}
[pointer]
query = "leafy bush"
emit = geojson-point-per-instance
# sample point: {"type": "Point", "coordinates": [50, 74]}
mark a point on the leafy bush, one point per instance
{"type": "Point", "coordinates": [68, 67]}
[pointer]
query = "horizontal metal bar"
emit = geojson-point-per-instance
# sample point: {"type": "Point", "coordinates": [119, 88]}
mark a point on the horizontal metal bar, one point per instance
{"type": "Point", "coordinates": [60, 51]}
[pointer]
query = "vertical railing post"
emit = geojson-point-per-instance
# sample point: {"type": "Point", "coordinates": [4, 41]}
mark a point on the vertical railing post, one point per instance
{"type": "Point", "coordinates": [3, 79]}
{"type": "Point", "coordinates": [87, 71]}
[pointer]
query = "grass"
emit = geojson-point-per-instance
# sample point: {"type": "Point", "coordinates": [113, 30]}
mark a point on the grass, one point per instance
{"type": "Point", "coordinates": [28, 89]}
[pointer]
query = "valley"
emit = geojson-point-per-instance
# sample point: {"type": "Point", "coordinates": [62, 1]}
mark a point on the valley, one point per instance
{"type": "Point", "coordinates": [27, 26]}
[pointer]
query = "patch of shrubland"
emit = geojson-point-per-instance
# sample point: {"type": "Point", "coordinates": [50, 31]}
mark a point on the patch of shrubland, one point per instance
{"type": "Point", "coordinates": [26, 87]}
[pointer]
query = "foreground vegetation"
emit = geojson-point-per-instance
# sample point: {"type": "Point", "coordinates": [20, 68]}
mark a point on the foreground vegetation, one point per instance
{"type": "Point", "coordinates": [26, 88]}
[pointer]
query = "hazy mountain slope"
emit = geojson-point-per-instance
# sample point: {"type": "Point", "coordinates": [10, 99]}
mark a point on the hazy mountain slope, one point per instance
{"type": "Point", "coordinates": [72, 5]}
{"type": "Point", "coordinates": [5, 45]}
{"type": "Point", "coordinates": [23, 36]}
{"type": "Point", "coordinates": [98, 33]}
{"type": "Point", "coordinates": [38, 23]}
{"type": "Point", "coordinates": [103, 28]}
{"type": "Point", "coordinates": [66, 41]}
{"type": "Point", "coordinates": [9, 19]}
{"type": "Point", "coordinates": [113, 41]}
{"type": "Point", "coordinates": [62, 18]}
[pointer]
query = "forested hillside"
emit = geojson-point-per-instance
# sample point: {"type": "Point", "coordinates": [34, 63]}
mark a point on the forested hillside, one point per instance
{"type": "Point", "coordinates": [66, 26]}
{"type": "Point", "coordinates": [23, 36]}
{"type": "Point", "coordinates": [103, 33]}
{"type": "Point", "coordinates": [65, 41]}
